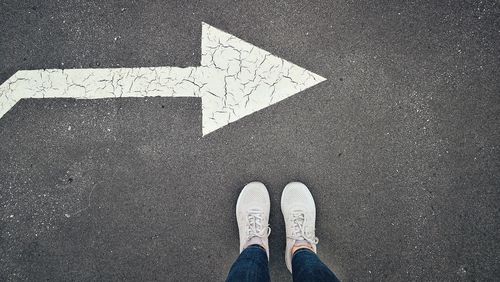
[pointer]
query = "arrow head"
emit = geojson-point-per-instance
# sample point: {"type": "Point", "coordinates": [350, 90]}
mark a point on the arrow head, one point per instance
{"type": "Point", "coordinates": [244, 78]}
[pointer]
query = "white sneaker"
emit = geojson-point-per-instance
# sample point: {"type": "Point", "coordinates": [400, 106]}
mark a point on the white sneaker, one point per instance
{"type": "Point", "coordinates": [252, 214]}
{"type": "Point", "coordinates": [299, 212]}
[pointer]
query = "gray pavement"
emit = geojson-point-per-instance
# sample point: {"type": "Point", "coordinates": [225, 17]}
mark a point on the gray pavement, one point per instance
{"type": "Point", "coordinates": [400, 146]}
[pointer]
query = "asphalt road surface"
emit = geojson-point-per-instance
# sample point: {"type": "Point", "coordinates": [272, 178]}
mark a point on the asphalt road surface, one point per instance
{"type": "Point", "coordinates": [399, 146]}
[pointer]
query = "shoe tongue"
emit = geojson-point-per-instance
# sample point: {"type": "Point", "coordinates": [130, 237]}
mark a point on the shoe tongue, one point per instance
{"type": "Point", "coordinates": [255, 215]}
{"type": "Point", "coordinates": [299, 219]}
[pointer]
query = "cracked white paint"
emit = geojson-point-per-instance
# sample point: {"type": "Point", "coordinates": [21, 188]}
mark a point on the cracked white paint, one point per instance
{"type": "Point", "coordinates": [234, 80]}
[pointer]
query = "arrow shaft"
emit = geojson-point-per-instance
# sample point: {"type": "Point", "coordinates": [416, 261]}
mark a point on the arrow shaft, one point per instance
{"type": "Point", "coordinates": [105, 83]}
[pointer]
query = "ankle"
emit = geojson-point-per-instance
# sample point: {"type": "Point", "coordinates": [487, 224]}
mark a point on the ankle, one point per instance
{"type": "Point", "coordinates": [257, 246]}
{"type": "Point", "coordinates": [299, 246]}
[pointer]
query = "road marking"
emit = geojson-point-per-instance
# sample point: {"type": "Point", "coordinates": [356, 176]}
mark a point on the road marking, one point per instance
{"type": "Point", "coordinates": [235, 79]}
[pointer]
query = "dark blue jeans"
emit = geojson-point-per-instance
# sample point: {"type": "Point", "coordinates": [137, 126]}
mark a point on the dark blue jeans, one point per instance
{"type": "Point", "coordinates": [252, 265]}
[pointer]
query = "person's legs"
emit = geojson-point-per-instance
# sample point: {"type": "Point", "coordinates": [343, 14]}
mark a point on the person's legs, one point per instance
{"type": "Point", "coordinates": [308, 267]}
{"type": "Point", "coordinates": [299, 212]}
{"type": "Point", "coordinates": [252, 214]}
{"type": "Point", "coordinates": [251, 265]}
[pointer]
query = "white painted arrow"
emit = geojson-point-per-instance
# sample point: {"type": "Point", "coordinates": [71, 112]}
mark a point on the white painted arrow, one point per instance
{"type": "Point", "coordinates": [234, 80]}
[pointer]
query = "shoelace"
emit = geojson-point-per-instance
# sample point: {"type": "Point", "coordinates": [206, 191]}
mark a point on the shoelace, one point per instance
{"type": "Point", "coordinates": [255, 228]}
{"type": "Point", "coordinates": [299, 232]}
